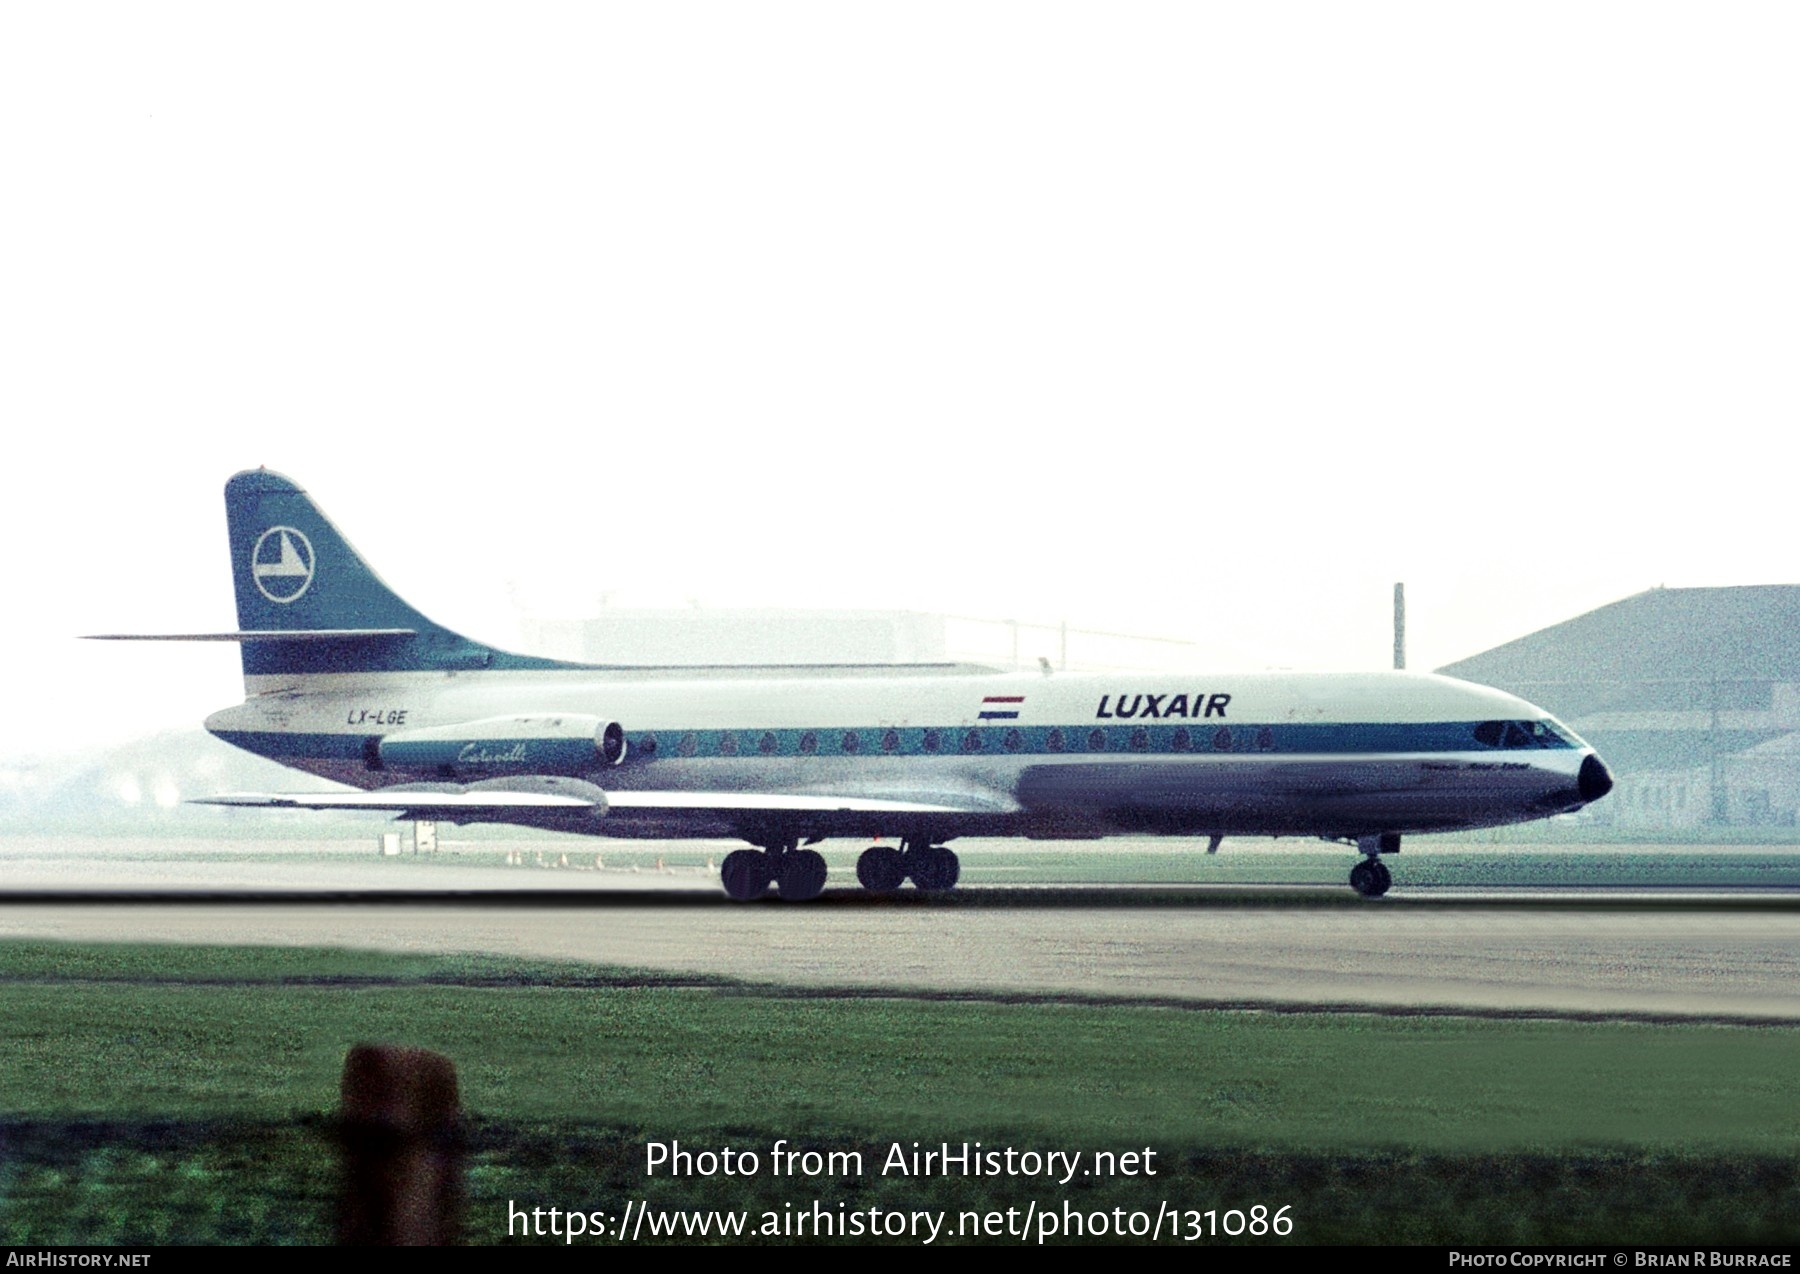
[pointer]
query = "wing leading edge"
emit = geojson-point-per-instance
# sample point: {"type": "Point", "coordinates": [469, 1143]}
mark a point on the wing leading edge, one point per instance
{"type": "Point", "coordinates": [548, 795]}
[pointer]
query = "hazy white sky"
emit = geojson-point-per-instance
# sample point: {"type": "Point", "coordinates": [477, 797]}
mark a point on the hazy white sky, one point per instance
{"type": "Point", "coordinates": [1208, 320]}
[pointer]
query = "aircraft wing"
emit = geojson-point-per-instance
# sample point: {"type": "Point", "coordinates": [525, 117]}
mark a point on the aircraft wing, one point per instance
{"type": "Point", "coordinates": [550, 796]}
{"type": "Point", "coordinates": [773, 802]}
{"type": "Point", "coordinates": [401, 800]}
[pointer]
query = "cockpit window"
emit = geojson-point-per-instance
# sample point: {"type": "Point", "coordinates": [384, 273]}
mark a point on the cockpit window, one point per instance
{"type": "Point", "coordinates": [1523, 734]}
{"type": "Point", "coordinates": [1551, 733]}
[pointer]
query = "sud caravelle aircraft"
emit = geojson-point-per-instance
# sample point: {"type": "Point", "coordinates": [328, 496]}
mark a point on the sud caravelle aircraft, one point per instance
{"type": "Point", "coordinates": [346, 680]}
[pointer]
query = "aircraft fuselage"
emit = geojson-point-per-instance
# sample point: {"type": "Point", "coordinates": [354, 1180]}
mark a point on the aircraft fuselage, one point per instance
{"type": "Point", "coordinates": [1270, 754]}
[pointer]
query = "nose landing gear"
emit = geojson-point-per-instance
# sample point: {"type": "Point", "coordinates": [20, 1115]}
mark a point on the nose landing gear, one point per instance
{"type": "Point", "coordinates": [1370, 877]}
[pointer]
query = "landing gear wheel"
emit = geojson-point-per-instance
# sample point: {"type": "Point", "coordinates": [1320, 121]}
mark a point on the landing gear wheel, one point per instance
{"type": "Point", "coordinates": [881, 870]}
{"type": "Point", "coordinates": [1370, 878]}
{"type": "Point", "coordinates": [802, 875]}
{"type": "Point", "coordinates": [745, 873]}
{"type": "Point", "coordinates": [934, 868]}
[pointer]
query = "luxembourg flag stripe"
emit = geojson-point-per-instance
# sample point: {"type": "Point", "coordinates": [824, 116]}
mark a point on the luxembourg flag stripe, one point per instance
{"type": "Point", "coordinates": [998, 714]}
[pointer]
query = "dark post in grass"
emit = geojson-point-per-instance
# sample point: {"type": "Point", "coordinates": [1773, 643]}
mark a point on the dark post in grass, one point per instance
{"type": "Point", "coordinates": [401, 1145]}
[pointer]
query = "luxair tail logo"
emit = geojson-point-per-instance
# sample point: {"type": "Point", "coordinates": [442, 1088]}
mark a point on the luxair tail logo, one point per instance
{"type": "Point", "coordinates": [282, 564]}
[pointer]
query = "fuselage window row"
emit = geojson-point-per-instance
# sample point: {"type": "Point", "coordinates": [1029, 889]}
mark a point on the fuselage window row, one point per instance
{"type": "Point", "coordinates": [895, 741]}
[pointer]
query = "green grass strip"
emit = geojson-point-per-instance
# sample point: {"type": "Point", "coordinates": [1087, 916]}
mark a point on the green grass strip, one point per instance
{"type": "Point", "coordinates": [104, 1033]}
{"type": "Point", "coordinates": [162, 1094]}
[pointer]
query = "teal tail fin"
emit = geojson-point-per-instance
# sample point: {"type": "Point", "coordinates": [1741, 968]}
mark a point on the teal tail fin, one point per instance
{"type": "Point", "coordinates": [308, 603]}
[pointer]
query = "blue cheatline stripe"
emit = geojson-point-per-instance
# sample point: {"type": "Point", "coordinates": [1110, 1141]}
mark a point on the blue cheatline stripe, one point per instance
{"type": "Point", "coordinates": [964, 740]}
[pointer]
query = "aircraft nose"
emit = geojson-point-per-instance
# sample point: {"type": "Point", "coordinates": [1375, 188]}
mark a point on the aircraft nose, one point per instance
{"type": "Point", "coordinates": [1595, 780]}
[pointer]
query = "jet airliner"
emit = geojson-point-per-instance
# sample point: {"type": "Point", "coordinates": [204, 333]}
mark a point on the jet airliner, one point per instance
{"type": "Point", "coordinates": [346, 680]}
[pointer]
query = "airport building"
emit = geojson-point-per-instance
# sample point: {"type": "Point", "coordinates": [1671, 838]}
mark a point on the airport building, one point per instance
{"type": "Point", "coordinates": [1692, 695]}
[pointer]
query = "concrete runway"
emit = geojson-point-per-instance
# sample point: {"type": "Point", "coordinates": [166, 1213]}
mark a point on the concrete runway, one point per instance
{"type": "Point", "coordinates": [1702, 954]}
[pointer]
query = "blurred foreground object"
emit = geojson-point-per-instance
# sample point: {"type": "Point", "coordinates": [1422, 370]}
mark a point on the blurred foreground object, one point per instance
{"type": "Point", "coordinates": [400, 1133]}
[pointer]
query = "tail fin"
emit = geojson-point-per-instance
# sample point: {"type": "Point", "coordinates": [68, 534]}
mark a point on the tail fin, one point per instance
{"type": "Point", "coordinates": [308, 603]}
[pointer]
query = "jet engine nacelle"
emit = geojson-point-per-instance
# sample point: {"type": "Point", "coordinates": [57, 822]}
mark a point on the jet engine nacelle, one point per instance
{"type": "Point", "coordinates": [566, 743]}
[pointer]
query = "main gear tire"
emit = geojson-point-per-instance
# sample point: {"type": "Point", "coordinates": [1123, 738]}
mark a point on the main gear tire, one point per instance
{"type": "Point", "coordinates": [934, 869]}
{"type": "Point", "coordinates": [745, 873]}
{"type": "Point", "coordinates": [802, 875]}
{"type": "Point", "coordinates": [881, 869]}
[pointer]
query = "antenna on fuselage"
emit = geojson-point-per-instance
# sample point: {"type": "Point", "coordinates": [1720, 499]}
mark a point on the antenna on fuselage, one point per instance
{"type": "Point", "coordinates": [1399, 627]}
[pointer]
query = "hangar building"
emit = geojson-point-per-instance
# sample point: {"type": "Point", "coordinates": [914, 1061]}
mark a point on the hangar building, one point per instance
{"type": "Point", "coordinates": [1691, 695]}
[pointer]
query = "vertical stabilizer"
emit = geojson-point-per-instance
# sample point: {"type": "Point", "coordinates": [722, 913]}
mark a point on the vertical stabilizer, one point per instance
{"type": "Point", "coordinates": [300, 581]}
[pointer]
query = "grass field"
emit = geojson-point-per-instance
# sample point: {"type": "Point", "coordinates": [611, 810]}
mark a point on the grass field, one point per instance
{"type": "Point", "coordinates": [184, 1094]}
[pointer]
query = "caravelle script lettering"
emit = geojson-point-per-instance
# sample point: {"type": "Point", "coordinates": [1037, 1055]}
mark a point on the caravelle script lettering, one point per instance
{"type": "Point", "coordinates": [478, 754]}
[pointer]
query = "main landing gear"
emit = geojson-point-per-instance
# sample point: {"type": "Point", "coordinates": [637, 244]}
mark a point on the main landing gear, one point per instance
{"type": "Point", "coordinates": [1370, 877]}
{"type": "Point", "coordinates": [882, 869]}
{"type": "Point", "coordinates": [798, 873]}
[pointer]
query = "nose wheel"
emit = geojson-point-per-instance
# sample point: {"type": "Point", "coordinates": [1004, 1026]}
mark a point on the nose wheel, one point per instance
{"type": "Point", "coordinates": [1371, 878]}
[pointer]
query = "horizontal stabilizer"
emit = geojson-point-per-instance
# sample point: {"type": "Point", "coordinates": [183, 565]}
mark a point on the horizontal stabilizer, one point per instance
{"type": "Point", "coordinates": [293, 634]}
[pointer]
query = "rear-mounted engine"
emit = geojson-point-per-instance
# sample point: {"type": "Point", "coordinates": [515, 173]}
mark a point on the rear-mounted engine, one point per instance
{"type": "Point", "coordinates": [567, 743]}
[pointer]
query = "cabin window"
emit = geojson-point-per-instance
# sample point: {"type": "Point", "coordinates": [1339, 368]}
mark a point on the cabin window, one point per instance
{"type": "Point", "coordinates": [767, 744]}
{"type": "Point", "coordinates": [1096, 740]}
{"type": "Point", "coordinates": [647, 745]}
{"type": "Point", "coordinates": [1265, 740]}
{"type": "Point", "coordinates": [1012, 741]}
{"type": "Point", "coordinates": [690, 744]}
{"type": "Point", "coordinates": [971, 742]}
{"type": "Point", "coordinates": [890, 740]}
{"type": "Point", "coordinates": [728, 744]}
{"type": "Point", "coordinates": [1054, 740]}
{"type": "Point", "coordinates": [1222, 739]}
{"type": "Point", "coordinates": [809, 743]}
{"type": "Point", "coordinates": [934, 741]}
{"type": "Point", "coordinates": [1140, 740]}
{"type": "Point", "coordinates": [852, 741]}
{"type": "Point", "coordinates": [1182, 740]}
